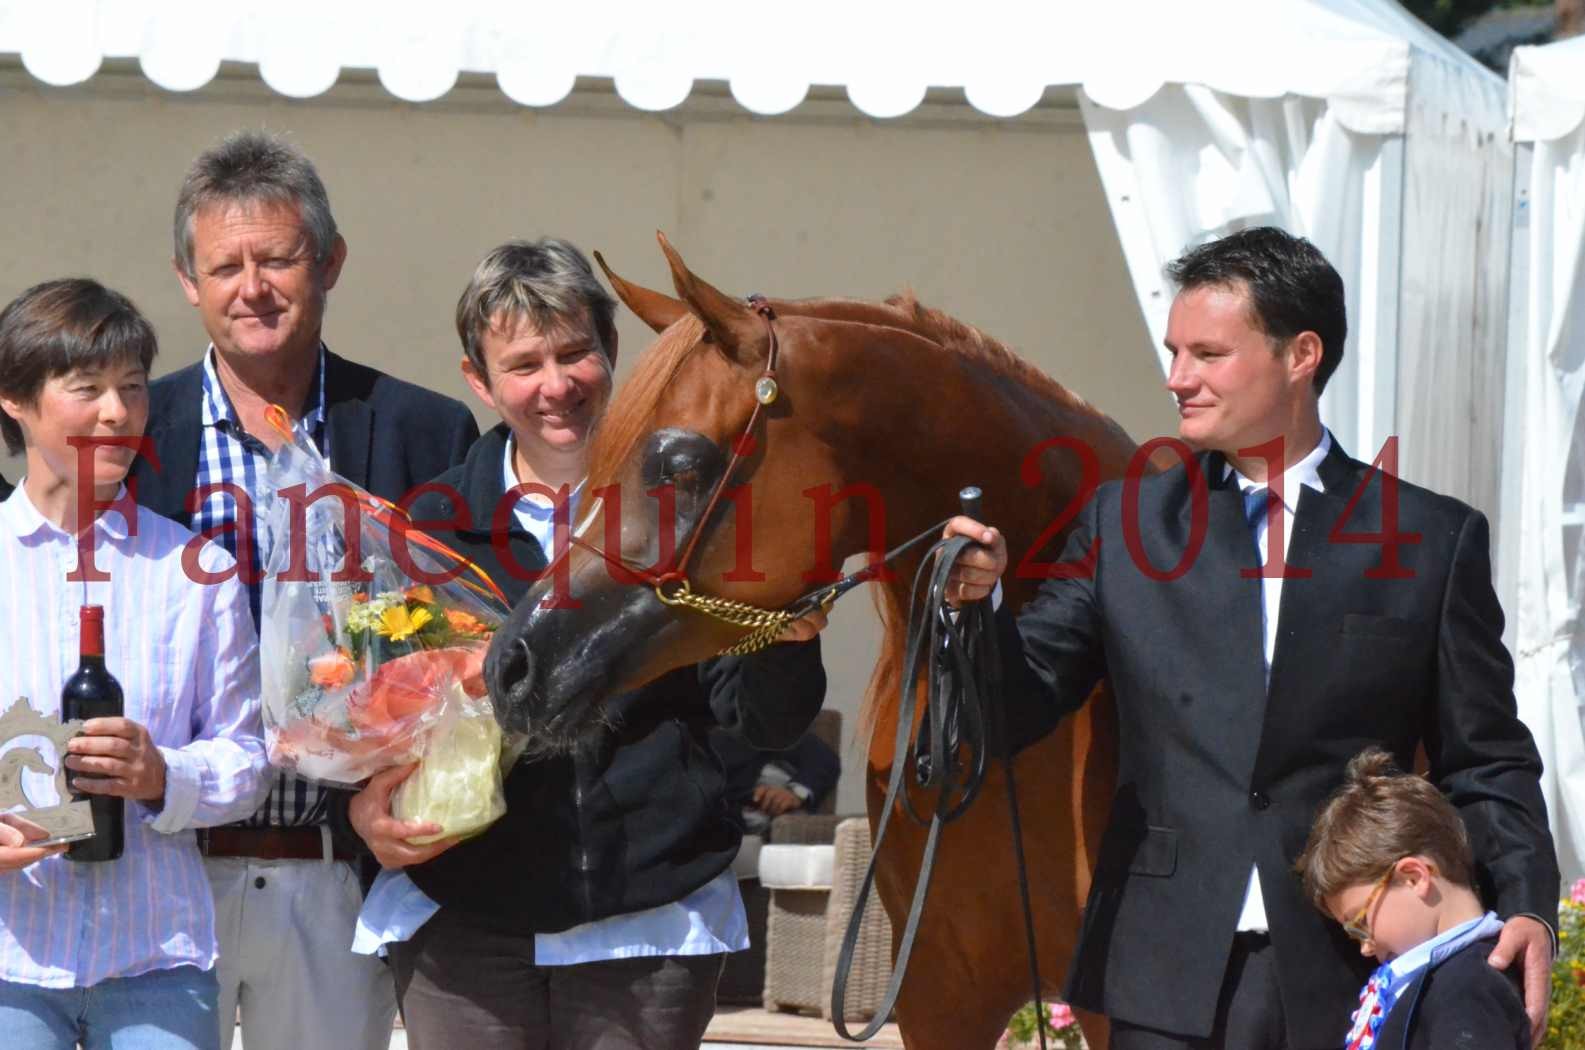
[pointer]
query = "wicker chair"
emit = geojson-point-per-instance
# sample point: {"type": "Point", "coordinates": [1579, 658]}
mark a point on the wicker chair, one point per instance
{"type": "Point", "coordinates": [743, 978]}
{"type": "Point", "coordinates": [806, 923]}
{"type": "Point", "coordinates": [872, 955]}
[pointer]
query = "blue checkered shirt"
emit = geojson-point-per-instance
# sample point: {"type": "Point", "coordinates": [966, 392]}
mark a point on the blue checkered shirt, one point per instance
{"type": "Point", "coordinates": [228, 454]}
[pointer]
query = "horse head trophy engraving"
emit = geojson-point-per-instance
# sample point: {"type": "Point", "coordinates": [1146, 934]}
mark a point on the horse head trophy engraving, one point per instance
{"type": "Point", "coordinates": [22, 730]}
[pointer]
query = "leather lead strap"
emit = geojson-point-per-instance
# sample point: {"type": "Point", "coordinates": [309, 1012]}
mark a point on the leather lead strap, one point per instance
{"type": "Point", "coordinates": [960, 661]}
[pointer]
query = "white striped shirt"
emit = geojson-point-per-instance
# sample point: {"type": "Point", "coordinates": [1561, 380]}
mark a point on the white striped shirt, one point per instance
{"type": "Point", "coordinates": [187, 659]}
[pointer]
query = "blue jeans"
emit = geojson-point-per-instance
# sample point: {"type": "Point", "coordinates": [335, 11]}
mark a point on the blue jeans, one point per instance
{"type": "Point", "coordinates": [160, 1010]}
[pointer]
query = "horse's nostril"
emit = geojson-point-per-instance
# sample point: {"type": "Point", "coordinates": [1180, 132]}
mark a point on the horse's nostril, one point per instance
{"type": "Point", "coordinates": [509, 670]}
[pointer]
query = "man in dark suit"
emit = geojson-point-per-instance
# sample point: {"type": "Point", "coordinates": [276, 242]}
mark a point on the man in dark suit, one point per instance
{"type": "Point", "coordinates": [1246, 682]}
{"type": "Point", "coordinates": [257, 253]}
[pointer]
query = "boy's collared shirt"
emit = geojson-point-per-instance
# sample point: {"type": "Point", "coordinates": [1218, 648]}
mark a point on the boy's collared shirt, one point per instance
{"type": "Point", "coordinates": [187, 660]}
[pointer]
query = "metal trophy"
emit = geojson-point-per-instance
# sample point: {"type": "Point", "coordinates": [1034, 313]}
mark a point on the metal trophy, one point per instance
{"type": "Point", "coordinates": [33, 774]}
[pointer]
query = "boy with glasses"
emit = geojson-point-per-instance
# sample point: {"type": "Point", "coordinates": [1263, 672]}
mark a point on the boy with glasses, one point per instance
{"type": "Point", "coordinates": [1389, 859]}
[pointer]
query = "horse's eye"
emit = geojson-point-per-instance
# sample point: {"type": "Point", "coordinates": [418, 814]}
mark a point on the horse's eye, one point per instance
{"type": "Point", "coordinates": [683, 458]}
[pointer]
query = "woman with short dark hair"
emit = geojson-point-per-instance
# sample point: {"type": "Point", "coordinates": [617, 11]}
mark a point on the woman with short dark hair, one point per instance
{"type": "Point", "coordinates": [121, 952]}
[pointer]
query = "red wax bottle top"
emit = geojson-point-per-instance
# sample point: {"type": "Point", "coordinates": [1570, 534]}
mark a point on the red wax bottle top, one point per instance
{"type": "Point", "coordinates": [92, 619]}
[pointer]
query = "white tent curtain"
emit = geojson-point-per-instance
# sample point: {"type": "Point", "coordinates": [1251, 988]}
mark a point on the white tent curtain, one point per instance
{"type": "Point", "coordinates": [1548, 98]}
{"type": "Point", "coordinates": [1453, 290]}
{"type": "Point", "coordinates": [1414, 217]}
{"type": "Point", "coordinates": [1192, 164]}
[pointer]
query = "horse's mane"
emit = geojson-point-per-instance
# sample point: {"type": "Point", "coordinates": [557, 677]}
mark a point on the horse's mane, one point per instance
{"type": "Point", "coordinates": [952, 334]}
{"type": "Point", "coordinates": [891, 599]}
{"type": "Point", "coordinates": [628, 418]}
{"type": "Point", "coordinates": [634, 405]}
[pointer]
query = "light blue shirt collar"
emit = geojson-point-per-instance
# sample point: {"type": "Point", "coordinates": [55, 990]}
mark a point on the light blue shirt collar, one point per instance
{"type": "Point", "coordinates": [1429, 954]}
{"type": "Point", "coordinates": [535, 515]}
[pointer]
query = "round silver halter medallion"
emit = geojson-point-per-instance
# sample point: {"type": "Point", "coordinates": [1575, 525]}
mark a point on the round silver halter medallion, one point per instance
{"type": "Point", "coordinates": [765, 390]}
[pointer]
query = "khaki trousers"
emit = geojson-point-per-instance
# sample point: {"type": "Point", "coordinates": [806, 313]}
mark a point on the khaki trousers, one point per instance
{"type": "Point", "coordinates": [285, 931]}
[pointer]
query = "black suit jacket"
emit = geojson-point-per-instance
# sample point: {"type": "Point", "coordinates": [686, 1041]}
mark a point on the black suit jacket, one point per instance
{"type": "Point", "coordinates": [1217, 770]}
{"type": "Point", "coordinates": [386, 435]}
{"type": "Point", "coordinates": [6, 488]}
{"type": "Point", "coordinates": [1462, 1004]}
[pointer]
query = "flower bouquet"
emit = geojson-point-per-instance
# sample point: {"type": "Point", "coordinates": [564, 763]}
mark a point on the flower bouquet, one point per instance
{"type": "Point", "coordinates": [372, 643]}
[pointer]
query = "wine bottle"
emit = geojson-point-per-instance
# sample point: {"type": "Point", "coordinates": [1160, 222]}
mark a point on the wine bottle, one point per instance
{"type": "Point", "coordinates": [93, 692]}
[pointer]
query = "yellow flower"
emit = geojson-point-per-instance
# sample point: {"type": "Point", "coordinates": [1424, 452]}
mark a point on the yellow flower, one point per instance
{"type": "Point", "coordinates": [398, 624]}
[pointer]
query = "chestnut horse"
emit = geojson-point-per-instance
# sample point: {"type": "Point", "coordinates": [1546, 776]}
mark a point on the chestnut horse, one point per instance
{"type": "Point", "coordinates": [906, 405]}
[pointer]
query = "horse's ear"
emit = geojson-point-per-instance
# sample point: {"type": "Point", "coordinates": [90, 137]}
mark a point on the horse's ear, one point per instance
{"type": "Point", "coordinates": [732, 325]}
{"type": "Point", "coordinates": [655, 309]}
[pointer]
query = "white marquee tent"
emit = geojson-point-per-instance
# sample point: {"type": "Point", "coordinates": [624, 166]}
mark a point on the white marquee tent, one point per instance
{"type": "Point", "coordinates": [1547, 454]}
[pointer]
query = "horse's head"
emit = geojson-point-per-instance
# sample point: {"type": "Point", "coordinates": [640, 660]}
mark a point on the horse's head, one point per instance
{"type": "Point", "coordinates": [751, 491]}
{"type": "Point", "coordinates": [592, 628]}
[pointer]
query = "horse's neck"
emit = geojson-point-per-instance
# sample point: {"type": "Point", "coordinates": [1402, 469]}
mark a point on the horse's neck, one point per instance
{"type": "Point", "coordinates": [982, 434]}
{"type": "Point", "coordinates": [988, 431]}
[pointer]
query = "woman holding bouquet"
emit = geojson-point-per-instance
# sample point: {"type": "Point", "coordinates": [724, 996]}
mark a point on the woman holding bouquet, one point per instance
{"type": "Point", "coordinates": [120, 952]}
{"type": "Point", "coordinates": [597, 911]}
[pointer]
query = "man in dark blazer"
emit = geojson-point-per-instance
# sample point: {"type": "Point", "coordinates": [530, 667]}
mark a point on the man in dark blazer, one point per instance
{"type": "Point", "coordinates": [257, 252]}
{"type": "Point", "coordinates": [1243, 691]}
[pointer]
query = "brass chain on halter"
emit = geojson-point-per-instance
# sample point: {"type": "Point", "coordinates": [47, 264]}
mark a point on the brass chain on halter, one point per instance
{"type": "Point", "coordinates": [765, 624]}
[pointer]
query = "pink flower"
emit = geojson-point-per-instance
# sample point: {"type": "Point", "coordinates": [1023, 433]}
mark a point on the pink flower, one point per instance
{"type": "Point", "coordinates": [1577, 894]}
{"type": "Point", "coordinates": [1062, 1013]}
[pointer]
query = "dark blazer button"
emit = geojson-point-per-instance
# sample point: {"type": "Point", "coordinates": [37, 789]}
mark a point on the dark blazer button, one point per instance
{"type": "Point", "coordinates": [1260, 800]}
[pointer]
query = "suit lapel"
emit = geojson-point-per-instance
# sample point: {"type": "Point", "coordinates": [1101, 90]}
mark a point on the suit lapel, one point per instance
{"type": "Point", "coordinates": [1311, 549]}
{"type": "Point", "coordinates": [176, 432]}
{"type": "Point", "coordinates": [349, 423]}
{"type": "Point", "coordinates": [1312, 606]}
{"type": "Point", "coordinates": [1230, 602]}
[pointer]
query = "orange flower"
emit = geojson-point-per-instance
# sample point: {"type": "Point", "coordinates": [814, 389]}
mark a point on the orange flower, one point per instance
{"type": "Point", "coordinates": [465, 623]}
{"type": "Point", "coordinates": [421, 593]}
{"type": "Point", "coordinates": [332, 670]}
{"type": "Point", "coordinates": [359, 598]}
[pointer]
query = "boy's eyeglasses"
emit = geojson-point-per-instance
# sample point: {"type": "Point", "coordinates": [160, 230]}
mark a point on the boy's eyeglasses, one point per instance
{"type": "Point", "coordinates": [1359, 926]}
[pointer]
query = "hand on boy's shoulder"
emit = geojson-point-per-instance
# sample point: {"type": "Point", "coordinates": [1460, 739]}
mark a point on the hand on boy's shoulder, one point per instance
{"type": "Point", "coordinates": [1527, 941]}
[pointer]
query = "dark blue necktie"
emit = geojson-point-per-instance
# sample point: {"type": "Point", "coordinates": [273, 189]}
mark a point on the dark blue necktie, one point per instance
{"type": "Point", "coordinates": [1255, 503]}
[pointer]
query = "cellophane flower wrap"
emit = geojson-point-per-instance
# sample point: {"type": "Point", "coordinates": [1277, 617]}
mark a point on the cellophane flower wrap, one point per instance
{"type": "Point", "coordinates": [372, 641]}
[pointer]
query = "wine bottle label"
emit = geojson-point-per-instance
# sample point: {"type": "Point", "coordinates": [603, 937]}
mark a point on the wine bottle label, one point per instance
{"type": "Point", "coordinates": [33, 773]}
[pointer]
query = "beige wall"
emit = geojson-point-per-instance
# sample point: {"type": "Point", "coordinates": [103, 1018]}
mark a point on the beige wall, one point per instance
{"type": "Point", "coordinates": [1001, 223]}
